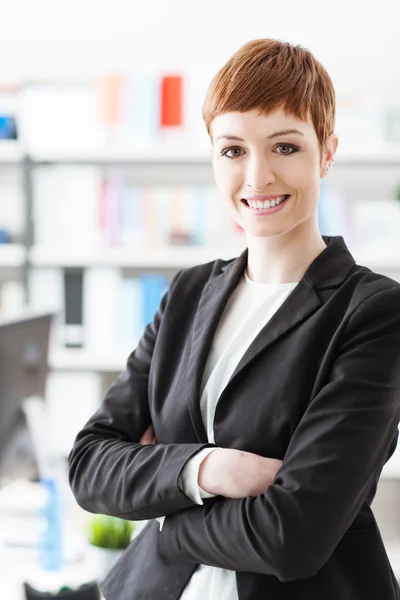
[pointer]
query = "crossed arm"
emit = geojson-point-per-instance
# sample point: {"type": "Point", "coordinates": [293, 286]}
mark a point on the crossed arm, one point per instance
{"type": "Point", "coordinates": [333, 460]}
{"type": "Point", "coordinates": [230, 473]}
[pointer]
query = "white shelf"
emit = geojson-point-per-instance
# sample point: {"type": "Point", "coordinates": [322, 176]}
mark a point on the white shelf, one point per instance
{"type": "Point", "coordinates": [190, 152]}
{"type": "Point", "coordinates": [166, 152]}
{"type": "Point", "coordinates": [12, 255]}
{"type": "Point", "coordinates": [382, 258]}
{"type": "Point", "coordinates": [170, 257]}
{"type": "Point", "coordinates": [10, 151]}
{"type": "Point", "coordinates": [80, 360]}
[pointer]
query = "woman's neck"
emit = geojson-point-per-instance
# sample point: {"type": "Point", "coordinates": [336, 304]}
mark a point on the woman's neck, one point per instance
{"type": "Point", "coordinates": [284, 258]}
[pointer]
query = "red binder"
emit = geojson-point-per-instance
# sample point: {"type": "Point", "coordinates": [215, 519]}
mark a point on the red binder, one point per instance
{"type": "Point", "coordinates": [171, 100]}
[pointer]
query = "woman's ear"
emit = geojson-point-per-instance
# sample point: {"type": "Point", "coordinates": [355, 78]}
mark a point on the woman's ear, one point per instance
{"type": "Point", "coordinates": [329, 154]}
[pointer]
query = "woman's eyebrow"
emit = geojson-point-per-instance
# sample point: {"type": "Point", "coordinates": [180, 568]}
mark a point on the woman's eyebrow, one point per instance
{"type": "Point", "coordinates": [269, 137]}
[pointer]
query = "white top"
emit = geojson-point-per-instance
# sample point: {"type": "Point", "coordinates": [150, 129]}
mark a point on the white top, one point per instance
{"type": "Point", "coordinates": [249, 308]}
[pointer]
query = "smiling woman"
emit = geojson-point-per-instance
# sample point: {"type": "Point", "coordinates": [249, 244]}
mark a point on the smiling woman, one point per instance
{"type": "Point", "coordinates": [252, 422]}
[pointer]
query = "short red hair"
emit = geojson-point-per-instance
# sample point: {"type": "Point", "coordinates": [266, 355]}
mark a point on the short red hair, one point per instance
{"type": "Point", "coordinates": [269, 74]}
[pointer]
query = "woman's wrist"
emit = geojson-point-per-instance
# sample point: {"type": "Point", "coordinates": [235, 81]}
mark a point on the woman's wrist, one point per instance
{"type": "Point", "coordinates": [209, 472]}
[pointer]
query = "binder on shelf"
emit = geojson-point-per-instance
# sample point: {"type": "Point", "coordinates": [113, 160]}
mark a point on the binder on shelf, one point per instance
{"type": "Point", "coordinates": [111, 205]}
{"type": "Point", "coordinates": [132, 216]}
{"type": "Point", "coordinates": [141, 101]}
{"type": "Point", "coordinates": [101, 307]}
{"type": "Point", "coordinates": [171, 101]}
{"type": "Point", "coordinates": [197, 221]}
{"type": "Point", "coordinates": [11, 207]}
{"type": "Point", "coordinates": [154, 287]}
{"type": "Point", "coordinates": [46, 293]}
{"type": "Point", "coordinates": [8, 112]}
{"type": "Point", "coordinates": [73, 302]}
{"type": "Point", "coordinates": [179, 206]}
{"type": "Point", "coordinates": [160, 224]}
{"type": "Point", "coordinates": [111, 98]}
{"type": "Point", "coordinates": [131, 315]}
{"type": "Point", "coordinates": [8, 127]}
{"type": "Point", "coordinates": [5, 236]}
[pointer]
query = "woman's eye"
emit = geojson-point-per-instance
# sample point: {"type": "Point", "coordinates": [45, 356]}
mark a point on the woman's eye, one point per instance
{"type": "Point", "coordinates": [234, 152]}
{"type": "Point", "coordinates": [287, 149]}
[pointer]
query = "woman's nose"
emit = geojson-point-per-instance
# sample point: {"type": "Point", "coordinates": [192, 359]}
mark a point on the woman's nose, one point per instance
{"type": "Point", "coordinates": [254, 188]}
{"type": "Point", "coordinates": [259, 176]}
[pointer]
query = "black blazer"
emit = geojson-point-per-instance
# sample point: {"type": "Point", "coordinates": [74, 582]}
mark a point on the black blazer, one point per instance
{"type": "Point", "coordinates": [319, 388]}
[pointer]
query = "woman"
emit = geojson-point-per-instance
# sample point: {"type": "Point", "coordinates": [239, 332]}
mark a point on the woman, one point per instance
{"type": "Point", "coordinates": [270, 382]}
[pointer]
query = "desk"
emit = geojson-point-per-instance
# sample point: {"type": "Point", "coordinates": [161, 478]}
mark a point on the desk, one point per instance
{"type": "Point", "coordinates": [19, 505]}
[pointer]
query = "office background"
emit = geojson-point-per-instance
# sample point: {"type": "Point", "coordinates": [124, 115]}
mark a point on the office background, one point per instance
{"type": "Point", "coordinates": [106, 191]}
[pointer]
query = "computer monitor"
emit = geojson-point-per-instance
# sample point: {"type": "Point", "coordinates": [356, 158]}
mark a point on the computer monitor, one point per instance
{"type": "Point", "coordinates": [24, 345]}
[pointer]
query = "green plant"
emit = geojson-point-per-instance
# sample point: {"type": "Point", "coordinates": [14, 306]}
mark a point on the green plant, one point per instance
{"type": "Point", "coordinates": [397, 193]}
{"type": "Point", "coordinates": [110, 532]}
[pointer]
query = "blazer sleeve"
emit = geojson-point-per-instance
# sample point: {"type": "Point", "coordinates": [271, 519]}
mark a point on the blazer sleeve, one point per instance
{"type": "Point", "coordinates": [333, 460]}
{"type": "Point", "coordinates": [109, 471]}
{"type": "Point", "coordinates": [188, 479]}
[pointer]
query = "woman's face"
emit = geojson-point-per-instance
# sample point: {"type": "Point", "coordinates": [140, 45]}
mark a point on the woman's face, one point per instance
{"type": "Point", "coordinates": [268, 169]}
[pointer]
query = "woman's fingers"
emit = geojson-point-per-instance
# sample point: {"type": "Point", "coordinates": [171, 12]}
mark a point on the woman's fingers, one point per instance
{"type": "Point", "coordinates": [148, 437]}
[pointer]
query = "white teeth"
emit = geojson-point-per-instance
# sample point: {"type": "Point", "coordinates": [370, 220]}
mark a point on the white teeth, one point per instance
{"type": "Point", "coordinates": [266, 204]}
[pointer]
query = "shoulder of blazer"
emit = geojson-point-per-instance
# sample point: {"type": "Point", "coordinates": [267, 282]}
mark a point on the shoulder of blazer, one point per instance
{"type": "Point", "coordinates": [365, 285]}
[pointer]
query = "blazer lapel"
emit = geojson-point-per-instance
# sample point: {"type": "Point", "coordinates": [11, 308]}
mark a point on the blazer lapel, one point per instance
{"type": "Point", "coordinates": [299, 305]}
{"type": "Point", "coordinates": [328, 270]}
{"type": "Point", "coordinates": [209, 311]}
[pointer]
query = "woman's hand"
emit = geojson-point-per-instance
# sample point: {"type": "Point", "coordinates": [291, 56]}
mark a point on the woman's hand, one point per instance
{"type": "Point", "coordinates": [148, 437]}
{"type": "Point", "coordinates": [231, 473]}
{"type": "Point", "coordinates": [237, 474]}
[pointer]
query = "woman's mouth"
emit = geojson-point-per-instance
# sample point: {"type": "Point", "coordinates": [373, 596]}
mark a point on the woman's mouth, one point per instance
{"type": "Point", "coordinates": [267, 207]}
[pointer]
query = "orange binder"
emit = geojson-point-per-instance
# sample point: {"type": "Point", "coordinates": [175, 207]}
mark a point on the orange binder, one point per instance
{"type": "Point", "coordinates": [171, 100]}
{"type": "Point", "coordinates": [110, 90]}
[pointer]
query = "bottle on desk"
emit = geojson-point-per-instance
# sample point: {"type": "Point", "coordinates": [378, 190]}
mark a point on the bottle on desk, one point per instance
{"type": "Point", "coordinates": [51, 534]}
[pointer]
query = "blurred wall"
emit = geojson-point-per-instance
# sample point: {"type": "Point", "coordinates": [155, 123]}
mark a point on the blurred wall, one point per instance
{"type": "Point", "coordinates": [357, 42]}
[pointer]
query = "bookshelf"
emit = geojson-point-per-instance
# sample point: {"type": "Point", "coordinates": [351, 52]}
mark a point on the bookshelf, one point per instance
{"type": "Point", "coordinates": [168, 163]}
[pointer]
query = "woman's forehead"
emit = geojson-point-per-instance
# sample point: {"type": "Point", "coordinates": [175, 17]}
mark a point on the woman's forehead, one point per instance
{"type": "Point", "coordinates": [236, 124]}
